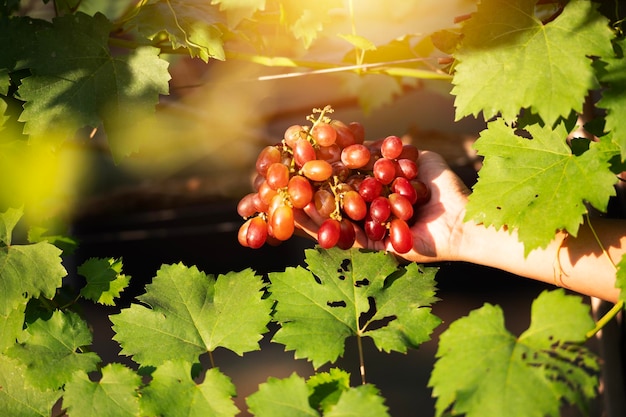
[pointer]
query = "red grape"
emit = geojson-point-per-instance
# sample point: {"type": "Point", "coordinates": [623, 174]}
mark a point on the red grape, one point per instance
{"type": "Point", "coordinates": [277, 176]}
{"type": "Point", "coordinates": [330, 154]}
{"type": "Point", "coordinates": [373, 229]}
{"type": "Point", "coordinates": [391, 147]}
{"type": "Point", "coordinates": [355, 156]}
{"type": "Point", "coordinates": [303, 152]}
{"type": "Point", "coordinates": [380, 209]}
{"type": "Point", "coordinates": [256, 235]}
{"type": "Point", "coordinates": [401, 207]}
{"type": "Point", "coordinates": [324, 134]}
{"type": "Point", "coordinates": [267, 156]}
{"type": "Point", "coordinates": [282, 222]}
{"type": "Point", "coordinates": [358, 131]}
{"type": "Point", "coordinates": [317, 170]}
{"type": "Point", "coordinates": [345, 137]}
{"type": "Point", "coordinates": [400, 236]}
{"type": "Point", "coordinates": [325, 202]}
{"type": "Point", "coordinates": [385, 170]}
{"type": "Point", "coordinates": [404, 187]}
{"type": "Point", "coordinates": [370, 188]}
{"type": "Point", "coordinates": [328, 233]}
{"type": "Point", "coordinates": [300, 191]}
{"type": "Point", "coordinates": [292, 134]}
{"type": "Point", "coordinates": [347, 234]}
{"type": "Point", "coordinates": [354, 205]}
{"type": "Point", "coordinates": [246, 206]}
{"type": "Point", "coordinates": [407, 168]}
{"type": "Point", "coordinates": [422, 191]}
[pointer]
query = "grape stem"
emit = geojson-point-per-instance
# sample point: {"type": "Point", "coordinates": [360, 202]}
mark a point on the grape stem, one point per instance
{"type": "Point", "coordinates": [361, 360]}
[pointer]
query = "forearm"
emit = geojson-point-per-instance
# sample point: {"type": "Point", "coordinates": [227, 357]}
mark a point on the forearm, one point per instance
{"type": "Point", "coordinates": [577, 263]}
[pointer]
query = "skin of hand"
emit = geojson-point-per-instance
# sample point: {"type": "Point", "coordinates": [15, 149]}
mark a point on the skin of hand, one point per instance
{"type": "Point", "coordinates": [439, 224]}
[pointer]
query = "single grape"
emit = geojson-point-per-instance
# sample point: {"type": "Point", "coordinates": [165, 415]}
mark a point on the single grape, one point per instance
{"type": "Point", "coordinates": [303, 152]}
{"type": "Point", "coordinates": [341, 171]}
{"type": "Point", "coordinates": [400, 236]}
{"type": "Point", "coordinates": [277, 176]}
{"type": "Point", "coordinates": [243, 233]}
{"type": "Point", "coordinates": [317, 170]}
{"type": "Point", "coordinates": [404, 187]}
{"type": "Point", "coordinates": [261, 206]}
{"type": "Point", "coordinates": [300, 191]}
{"type": "Point", "coordinates": [391, 147]}
{"type": "Point", "coordinates": [345, 137]}
{"type": "Point", "coordinates": [409, 152]}
{"type": "Point", "coordinates": [406, 168]}
{"type": "Point", "coordinates": [324, 134]}
{"type": "Point", "coordinates": [384, 170]}
{"type": "Point", "coordinates": [353, 205]}
{"type": "Point", "coordinates": [347, 234]}
{"type": "Point", "coordinates": [328, 233]}
{"type": "Point", "coordinates": [370, 188]}
{"type": "Point", "coordinates": [380, 209]}
{"type": "Point", "coordinates": [256, 234]}
{"type": "Point", "coordinates": [355, 156]}
{"type": "Point", "coordinates": [266, 192]}
{"type": "Point", "coordinates": [422, 191]}
{"type": "Point", "coordinates": [246, 206]}
{"type": "Point", "coordinates": [330, 154]}
{"type": "Point", "coordinates": [358, 130]}
{"type": "Point", "coordinates": [292, 134]}
{"type": "Point", "coordinates": [282, 223]}
{"type": "Point", "coordinates": [401, 207]}
{"type": "Point", "coordinates": [324, 202]}
{"type": "Point", "coordinates": [373, 229]}
{"type": "Point", "coordinates": [267, 156]}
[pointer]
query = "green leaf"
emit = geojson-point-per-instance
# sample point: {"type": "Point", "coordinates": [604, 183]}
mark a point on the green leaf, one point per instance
{"type": "Point", "coordinates": [327, 388]}
{"type": "Point", "coordinates": [352, 293]}
{"type": "Point", "coordinates": [613, 96]}
{"type": "Point", "coordinates": [105, 280]}
{"type": "Point", "coordinates": [537, 186]}
{"type": "Point", "coordinates": [191, 313]}
{"type": "Point", "coordinates": [172, 392]}
{"type": "Point", "coordinates": [17, 397]}
{"type": "Point", "coordinates": [510, 60]}
{"type": "Point", "coordinates": [358, 41]}
{"type": "Point", "coordinates": [190, 24]}
{"type": "Point", "coordinates": [288, 397]}
{"type": "Point", "coordinates": [483, 370]}
{"type": "Point", "coordinates": [18, 40]}
{"type": "Point", "coordinates": [11, 325]}
{"type": "Point", "coordinates": [51, 350]}
{"type": "Point", "coordinates": [26, 271]}
{"type": "Point", "coordinates": [114, 395]}
{"type": "Point", "coordinates": [362, 401]}
{"type": "Point", "coordinates": [371, 90]}
{"type": "Point", "coordinates": [306, 20]}
{"type": "Point", "coordinates": [78, 82]}
{"type": "Point", "coordinates": [237, 10]}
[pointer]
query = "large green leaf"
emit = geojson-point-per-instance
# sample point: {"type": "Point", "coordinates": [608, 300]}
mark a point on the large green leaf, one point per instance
{"type": "Point", "coordinates": [288, 397]}
{"type": "Point", "coordinates": [482, 370]}
{"type": "Point", "coordinates": [17, 397]}
{"type": "Point", "coordinates": [191, 24]}
{"type": "Point", "coordinates": [52, 350]}
{"type": "Point", "coordinates": [77, 81]}
{"type": "Point", "coordinates": [352, 293]}
{"type": "Point", "coordinates": [26, 271]}
{"type": "Point", "coordinates": [191, 313]}
{"type": "Point", "coordinates": [510, 60]}
{"type": "Point", "coordinates": [538, 186]}
{"type": "Point", "coordinates": [11, 325]}
{"type": "Point", "coordinates": [115, 394]}
{"type": "Point", "coordinates": [172, 392]}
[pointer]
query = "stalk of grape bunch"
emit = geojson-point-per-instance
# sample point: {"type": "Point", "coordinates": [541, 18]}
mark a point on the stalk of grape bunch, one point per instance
{"type": "Point", "coordinates": [352, 182]}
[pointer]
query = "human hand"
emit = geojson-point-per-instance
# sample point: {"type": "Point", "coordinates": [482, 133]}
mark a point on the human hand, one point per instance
{"type": "Point", "coordinates": [438, 228]}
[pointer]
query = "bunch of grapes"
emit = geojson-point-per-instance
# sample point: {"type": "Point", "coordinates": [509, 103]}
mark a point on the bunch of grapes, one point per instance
{"type": "Point", "coordinates": [370, 184]}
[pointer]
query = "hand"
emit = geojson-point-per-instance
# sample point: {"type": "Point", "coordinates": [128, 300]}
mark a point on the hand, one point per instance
{"type": "Point", "coordinates": [438, 228]}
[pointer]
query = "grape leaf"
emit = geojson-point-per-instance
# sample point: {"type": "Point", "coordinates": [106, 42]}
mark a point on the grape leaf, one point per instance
{"type": "Point", "coordinates": [26, 271]}
{"type": "Point", "coordinates": [172, 392]}
{"type": "Point", "coordinates": [114, 395]}
{"type": "Point", "coordinates": [613, 96]}
{"type": "Point", "coordinates": [537, 186]}
{"type": "Point", "coordinates": [17, 397]}
{"type": "Point", "coordinates": [293, 397]}
{"type": "Point", "coordinates": [510, 60]}
{"type": "Point", "coordinates": [306, 20]}
{"type": "Point", "coordinates": [11, 325]}
{"type": "Point", "coordinates": [105, 280]}
{"type": "Point", "coordinates": [352, 293]}
{"type": "Point", "coordinates": [362, 401]}
{"type": "Point", "coordinates": [76, 81]}
{"type": "Point", "coordinates": [327, 388]}
{"type": "Point", "coordinates": [483, 370]}
{"type": "Point", "coordinates": [371, 90]}
{"type": "Point", "coordinates": [288, 397]}
{"type": "Point", "coordinates": [192, 313]}
{"type": "Point", "coordinates": [18, 38]}
{"type": "Point", "coordinates": [191, 24]}
{"type": "Point", "coordinates": [238, 10]}
{"type": "Point", "coordinates": [51, 350]}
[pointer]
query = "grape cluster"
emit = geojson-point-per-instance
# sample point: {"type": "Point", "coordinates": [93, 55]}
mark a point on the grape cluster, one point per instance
{"type": "Point", "coordinates": [370, 184]}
